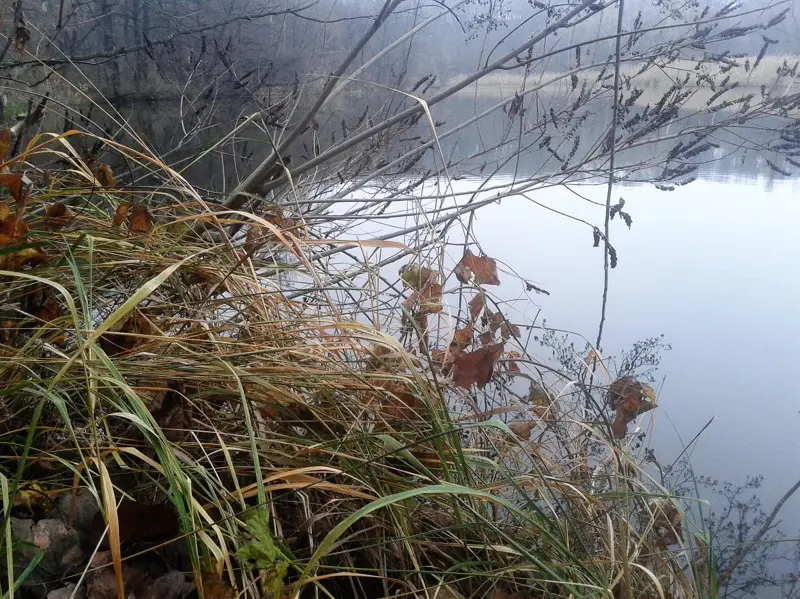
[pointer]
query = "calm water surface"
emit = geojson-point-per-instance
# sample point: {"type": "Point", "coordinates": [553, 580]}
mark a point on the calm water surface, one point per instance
{"type": "Point", "coordinates": [714, 267]}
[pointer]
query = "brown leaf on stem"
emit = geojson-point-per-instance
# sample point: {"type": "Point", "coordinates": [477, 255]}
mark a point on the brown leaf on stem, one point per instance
{"type": "Point", "coordinates": [476, 305]}
{"type": "Point", "coordinates": [486, 338]}
{"type": "Point", "coordinates": [627, 396]}
{"type": "Point", "coordinates": [463, 337]}
{"type": "Point", "coordinates": [667, 522]}
{"type": "Point", "coordinates": [254, 239]}
{"type": "Point", "coordinates": [140, 221]}
{"type": "Point", "coordinates": [476, 367]}
{"type": "Point", "coordinates": [12, 229]}
{"type": "Point", "coordinates": [56, 216]}
{"type": "Point", "coordinates": [509, 330]}
{"type": "Point", "coordinates": [121, 213]}
{"type": "Point", "coordinates": [484, 268]}
{"type": "Point", "coordinates": [104, 175]}
{"type": "Point", "coordinates": [426, 301]}
{"type": "Point", "coordinates": [13, 183]}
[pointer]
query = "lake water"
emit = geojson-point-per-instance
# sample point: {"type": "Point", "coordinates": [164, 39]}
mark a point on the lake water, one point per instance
{"type": "Point", "coordinates": [713, 267]}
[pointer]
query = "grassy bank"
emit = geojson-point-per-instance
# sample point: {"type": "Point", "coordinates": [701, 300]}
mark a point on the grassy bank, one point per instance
{"type": "Point", "coordinates": [272, 447]}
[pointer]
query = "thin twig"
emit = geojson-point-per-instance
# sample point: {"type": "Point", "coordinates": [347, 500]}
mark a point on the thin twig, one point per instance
{"type": "Point", "coordinates": [610, 188]}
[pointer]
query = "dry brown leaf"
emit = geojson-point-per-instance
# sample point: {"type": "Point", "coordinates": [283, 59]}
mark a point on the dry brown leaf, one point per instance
{"type": "Point", "coordinates": [627, 396]}
{"type": "Point", "coordinates": [667, 522]}
{"type": "Point", "coordinates": [421, 320]}
{"type": "Point", "coordinates": [486, 338]}
{"type": "Point", "coordinates": [397, 402]}
{"type": "Point", "coordinates": [12, 229]}
{"type": "Point", "coordinates": [6, 137]}
{"type": "Point", "coordinates": [484, 268]}
{"type": "Point", "coordinates": [463, 337]}
{"type": "Point", "coordinates": [215, 588]}
{"type": "Point", "coordinates": [254, 239]}
{"type": "Point", "coordinates": [512, 364]}
{"type": "Point", "coordinates": [16, 261]}
{"type": "Point", "coordinates": [476, 367]}
{"type": "Point", "coordinates": [426, 301]}
{"type": "Point", "coordinates": [509, 330]}
{"type": "Point", "coordinates": [140, 221]}
{"type": "Point", "coordinates": [56, 216]}
{"type": "Point", "coordinates": [476, 305]}
{"type": "Point", "coordinates": [126, 337]}
{"type": "Point", "coordinates": [13, 183]}
{"type": "Point", "coordinates": [502, 595]}
{"type": "Point", "coordinates": [121, 213]}
{"type": "Point", "coordinates": [104, 175]}
{"type": "Point", "coordinates": [522, 428]}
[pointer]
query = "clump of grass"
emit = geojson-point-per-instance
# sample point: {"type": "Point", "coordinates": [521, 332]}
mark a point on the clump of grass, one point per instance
{"type": "Point", "coordinates": [150, 353]}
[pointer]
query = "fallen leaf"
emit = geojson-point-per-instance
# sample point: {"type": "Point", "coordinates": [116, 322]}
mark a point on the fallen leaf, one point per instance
{"type": "Point", "coordinates": [140, 221]}
{"type": "Point", "coordinates": [56, 216]}
{"type": "Point", "coordinates": [6, 137]}
{"type": "Point", "coordinates": [11, 230]}
{"type": "Point", "coordinates": [121, 213]}
{"type": "Point", "coordinates": [522, 428]}
{"type": "Point", "coordinates": [626, 396]}
{"type": "Point", "coordinates": [16, 261]}
{"type": "Point", "coordinates": [476, 367]}
{"type": "Point", "coordinates": [13, 183]}
{"type": "Point", "coordinates": [128, 336]}
{"type": "Point", "coordinates": [484, 268]}
{"type": "Point", "coordinates": [462, 338]}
